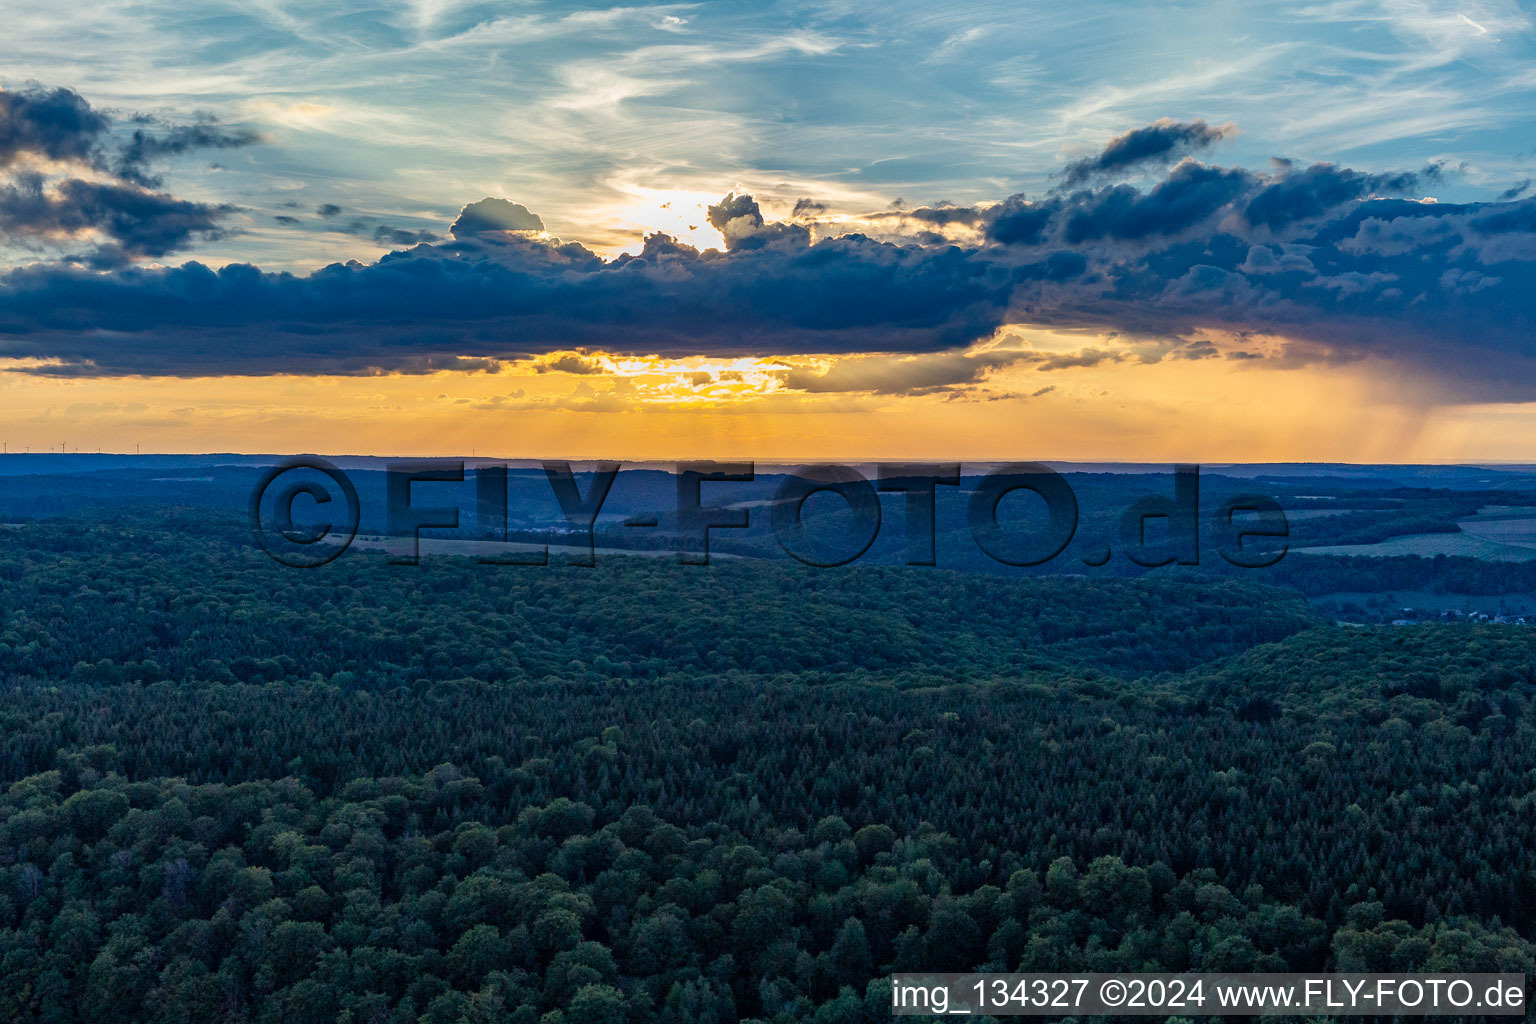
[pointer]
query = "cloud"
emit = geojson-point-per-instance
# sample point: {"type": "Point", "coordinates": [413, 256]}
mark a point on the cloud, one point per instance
{"type": "Point", "coordinates": [1263, 259]}
{"type": "Point", "coordinates": [510, 297]}
{"type": "Point", "coordinates": [1466, 282]}
{"type": "Point", "coordinates": [327, 210]}
{"type": "Point", "coordinates": [61, 125]}
{"type": "Point", "coordinates": [939, 215]}
{"type": "Point", "coordinates": [569, 362]}
{"type": "Point", "coordinates": [1336, 263]}
{"type": "Point", "coordinates": [492, 216]}
{"type": "Point", "coordinates": [384, 234]}
{"type": "Point", "coordinates": [373, 230]}
{"type": "Point", "coordinates": [1352, 282]}
{"type": "Point", "coordinates": [1313, 192]}
{"type": "Point", "coordinates": [137, 223]}
{"type": "Point", "coordinates": [154, 143]}
{"type": "Point", "coordinates": [740, 221]}
{"type": "Point", "coordinates": [57, 124]}
{"type": "Point", "coordinates": [1189, 196]}
{"type": "Point", "coordinates": [1158, 143]}
{"type": "Point", "coordinates": [123, 216]}
{"type": "Point", "coordinates": [1201, 349]}
{"type": "Point", "coordinates": [1080, 359]}
{"type": "Point", "coordinates": [897, 375]}
{"type": "Point", "coordinates": [1515, 191]}
{"type": "Point", "coordinates": [1017, 221]}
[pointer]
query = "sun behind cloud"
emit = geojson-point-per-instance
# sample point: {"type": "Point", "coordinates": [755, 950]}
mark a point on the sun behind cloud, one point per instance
{"type": "Point", "coordinates": [679, 213]}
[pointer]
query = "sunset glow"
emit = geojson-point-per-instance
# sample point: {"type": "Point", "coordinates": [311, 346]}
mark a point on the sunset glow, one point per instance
{"type": "Point", "coordinates": [663, 235]}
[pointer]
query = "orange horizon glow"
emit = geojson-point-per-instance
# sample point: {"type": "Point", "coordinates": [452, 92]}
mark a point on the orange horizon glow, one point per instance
{"type": "Point", "coordinates": [653, 409]}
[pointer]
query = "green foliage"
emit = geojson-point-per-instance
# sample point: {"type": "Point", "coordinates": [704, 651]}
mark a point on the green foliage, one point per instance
{"type": "Point", "coordinates": [644, 793]}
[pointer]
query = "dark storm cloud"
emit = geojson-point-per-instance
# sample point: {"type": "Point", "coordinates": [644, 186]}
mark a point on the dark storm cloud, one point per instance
{"type": "Point", "coordinates": [1328, 256]}
{"type": "Point", "coordinates": [1157, 143]}
{"type": "Point", "coordinates": [128, 219]}
{"type": "Point", "coordinates": [1335, 263]}
{"type": "Point", "coordinates": [1303, 195]}
{"type": "Point", "coordinates": [59, 124]}
{"type": "Point", "coordinates": [327, 210]}
{"type": "Point", "coordinates": [137, 222]}
{"type": "Point", "coordinates": [1448, 289]}
{"type": "Point", "coordinates": [1191, 195]}
{"type": "Point", "coordinates": [1020, 222]}
{"type": "Point", "coordinates": [54, 123]}
{"type": "Point", "coordinates": [512, 297]}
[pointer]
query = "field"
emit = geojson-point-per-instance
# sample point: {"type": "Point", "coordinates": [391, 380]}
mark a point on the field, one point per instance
{"type": "Point", "coordinates": [1500, 537]}
{"type": "Point", "coordinates": [1515, 530]}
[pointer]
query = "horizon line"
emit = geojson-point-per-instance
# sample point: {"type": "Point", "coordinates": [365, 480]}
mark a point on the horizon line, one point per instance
{"type": "Point", "coordinates": [822, 460]}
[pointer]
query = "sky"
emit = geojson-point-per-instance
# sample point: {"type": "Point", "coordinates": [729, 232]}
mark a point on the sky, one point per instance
{"type": "Point", "coordinates": [1213, 232]}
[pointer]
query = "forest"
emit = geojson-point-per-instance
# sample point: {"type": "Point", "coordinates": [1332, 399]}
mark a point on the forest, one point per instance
{"type": "Point", "coordinates": [644, 792]}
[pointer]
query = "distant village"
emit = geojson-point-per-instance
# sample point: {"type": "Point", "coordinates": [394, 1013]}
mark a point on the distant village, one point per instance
{"type": "Point", "coordinates": [1420, 616]}
{"type": "Point", "coordinates": [1379, 612]}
